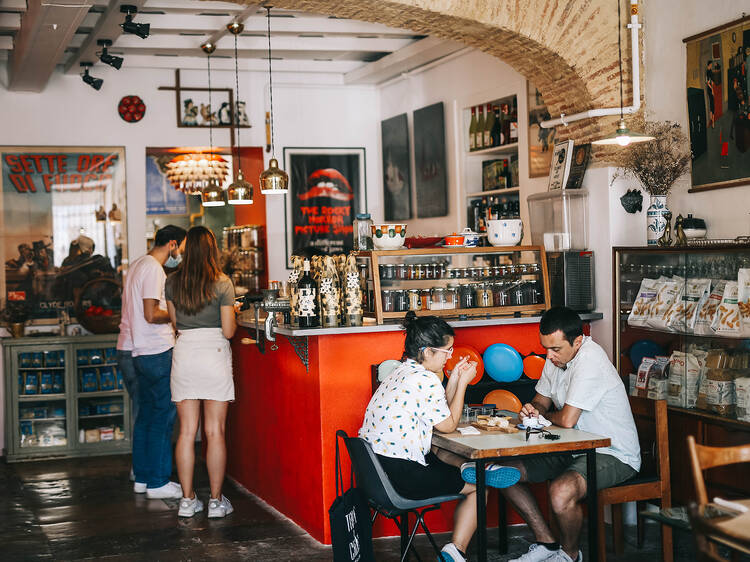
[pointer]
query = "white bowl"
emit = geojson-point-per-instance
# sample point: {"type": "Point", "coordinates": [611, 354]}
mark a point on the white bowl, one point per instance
{"type": "Point", "coordinates": [505, 232]}
{"type": "Point", "coordinates": [695, 232]}
{"type": "Point", "coordinates": [388, 236]}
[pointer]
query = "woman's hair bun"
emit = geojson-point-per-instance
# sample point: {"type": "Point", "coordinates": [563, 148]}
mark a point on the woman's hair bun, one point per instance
{"type": "Point", "coordinates": [409, 319]}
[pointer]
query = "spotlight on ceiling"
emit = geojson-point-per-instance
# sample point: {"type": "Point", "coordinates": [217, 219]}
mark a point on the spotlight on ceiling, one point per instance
{"type": "Point", "coordinates": [129, 26]}
{"type": "Point", "coordinates": [105, 57]}
{"type": "Point", "coordinates": [95, 83]}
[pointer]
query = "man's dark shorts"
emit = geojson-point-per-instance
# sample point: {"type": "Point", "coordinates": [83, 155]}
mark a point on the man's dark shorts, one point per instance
{"type": "Point", "coordinates": [610, 470]}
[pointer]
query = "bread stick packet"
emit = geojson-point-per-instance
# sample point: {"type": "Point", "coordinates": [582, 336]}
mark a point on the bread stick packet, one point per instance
{"type": "Point", "coordinates": [727, 320]}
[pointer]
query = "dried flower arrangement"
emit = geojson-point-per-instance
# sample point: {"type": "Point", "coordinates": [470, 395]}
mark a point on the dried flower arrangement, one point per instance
{"type": "Point", "coordinates": [656, 164]}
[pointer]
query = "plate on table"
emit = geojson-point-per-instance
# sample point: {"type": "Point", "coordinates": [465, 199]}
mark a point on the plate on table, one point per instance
{"type": "Point", "coordinates": [459, 351]}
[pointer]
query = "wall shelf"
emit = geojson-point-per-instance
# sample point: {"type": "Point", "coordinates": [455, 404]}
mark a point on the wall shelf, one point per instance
{"type": "Point", "coordinates": [502, 149]}
{"type": "Point", "coordinates": [508, 191]}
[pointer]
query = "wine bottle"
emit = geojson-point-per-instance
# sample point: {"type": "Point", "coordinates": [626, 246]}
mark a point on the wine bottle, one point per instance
{"type": "Point", "coordinates": [307, 299]}
{"type": "Point", "coordinates": [489, 121]}
{"type": "Point", "coordinates": [506, 123]}
{"type": "Point", "coordinates": [473, 129]}
{"type": "Point", "coordinates": [479, 133]}
{"type": "Point", "coordinates": [514, 123]}
{"type": "Point", "coordinates": [496, 134]}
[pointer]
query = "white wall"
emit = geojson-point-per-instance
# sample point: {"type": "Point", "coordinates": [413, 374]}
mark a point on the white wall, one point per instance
{"type": "Point", "coordinates": [666, 24]}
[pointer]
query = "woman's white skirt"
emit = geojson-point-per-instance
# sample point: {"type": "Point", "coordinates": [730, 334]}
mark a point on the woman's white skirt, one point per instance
{"type": "Point", "coordinates": [202, 366]}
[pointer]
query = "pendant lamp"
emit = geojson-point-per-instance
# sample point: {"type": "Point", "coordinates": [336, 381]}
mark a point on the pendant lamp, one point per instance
{"type": "Point", "coordinates": [622, 136]}
{"type": "Point", "coordinates": [273, 180]}
{"type": "Point", "coordinates": [240, 191]}
{"type": "Point", "coordinates": [212, 194]}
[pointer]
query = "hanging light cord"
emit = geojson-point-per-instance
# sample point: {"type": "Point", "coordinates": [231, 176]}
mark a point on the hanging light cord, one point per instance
{"type": "Point", "coordinates": [210, 109]}
{"type": "Point", "coordinates": [235, 109]}
{"type": "Point", "coordinates": [270, 76]}
{"type": "Point", "coordinates": [619, 49]}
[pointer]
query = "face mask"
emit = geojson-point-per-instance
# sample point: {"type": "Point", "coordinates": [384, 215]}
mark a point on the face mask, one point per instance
{"type": "Point", "coordinates": [172, 261]}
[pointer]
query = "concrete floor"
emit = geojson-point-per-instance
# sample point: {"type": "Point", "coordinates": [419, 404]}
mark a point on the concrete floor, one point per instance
{"type": "Point", "coordinates": [79, 509]}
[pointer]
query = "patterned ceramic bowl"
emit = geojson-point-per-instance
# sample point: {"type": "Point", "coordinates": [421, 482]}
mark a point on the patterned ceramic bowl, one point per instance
{"type": "Point", "coordinates": [388, 236]}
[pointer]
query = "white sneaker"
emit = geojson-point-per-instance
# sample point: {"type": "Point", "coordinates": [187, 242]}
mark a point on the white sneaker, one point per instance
{"type": "Point", "coordinates": [132, 475]}
{"type": "Point", "coordinates": [189, 507]}
{"type": "Point", "coordinates": [139, 487]}
{"type": "Point", "coordinates": [219, 508]}
{"type": "Point", "coordinates": [170, 490]}
{"type": "Point", "coordinates": [536, 553]}
{"type": "Point", "coordinates": [562, 556]}
{"type": "Point", "coordinates": [450, 553]}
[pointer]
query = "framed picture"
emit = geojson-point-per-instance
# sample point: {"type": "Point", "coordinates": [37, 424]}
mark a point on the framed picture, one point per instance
{"type": "Point", "coordinates": [429, 161]}
{"type": "Point", "coordinates": [559, 169]}
{"type": "Point", "coordinates": [326, 190]}
{"type": "Point", "coordinates": [718, 93]}
{"type": "Point", "coordinates": [579, 163]}
{"type": "Point", "coordinates": [63, 222]}
{"type": "Point", "coordinates": [396, 169]}
{"type": "Point", "coordinates": [161, 197]}
{"type": "Point", "coordinates": [541, 140]}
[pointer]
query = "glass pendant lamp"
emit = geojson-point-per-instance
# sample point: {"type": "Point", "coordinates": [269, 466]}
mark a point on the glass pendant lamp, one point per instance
{"type": "Point", "coordinates": [240, 191]}
{"type": "Point", "coordinates": [211, 195]}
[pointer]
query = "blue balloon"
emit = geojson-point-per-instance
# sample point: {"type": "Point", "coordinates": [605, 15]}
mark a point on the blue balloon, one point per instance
{"type": "Point", "coordinates": [502, 362]}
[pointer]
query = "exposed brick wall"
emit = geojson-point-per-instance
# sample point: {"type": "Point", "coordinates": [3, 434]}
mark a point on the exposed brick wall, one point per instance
{"type": "Point", "coordinates": [567, 47]}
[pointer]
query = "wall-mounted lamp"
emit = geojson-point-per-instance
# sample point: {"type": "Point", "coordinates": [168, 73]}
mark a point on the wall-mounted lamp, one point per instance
{"type": "Point", "coordinates": [129, 26]}
{"type": "Point", "coordinates": [104, 56]}
{"type": "Point", "coordinates": [95, 83]}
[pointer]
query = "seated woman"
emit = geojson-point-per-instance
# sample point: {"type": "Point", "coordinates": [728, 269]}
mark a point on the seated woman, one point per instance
{"type": "Point", "coordinates": [402, 414]}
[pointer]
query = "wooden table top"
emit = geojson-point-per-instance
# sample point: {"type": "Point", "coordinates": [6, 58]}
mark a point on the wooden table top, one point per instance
{"type": "Point", "coordinates": [488, 445]}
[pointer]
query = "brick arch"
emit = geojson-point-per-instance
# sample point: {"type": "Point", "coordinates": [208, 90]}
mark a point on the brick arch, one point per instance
{"type": "Point", "coordinates": [569, 49]}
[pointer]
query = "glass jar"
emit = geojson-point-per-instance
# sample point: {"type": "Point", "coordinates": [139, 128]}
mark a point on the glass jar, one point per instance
{"type": "Point", "coordinates": [429, 271]}
{"type": "Point", "coordinates": [390, 271]}
{"type": "Point", "coordinates": [516, 295]}
{"type": "Point", "coordinates": [410, 273]}
{"type": "Point", "coordinates": [437, 298]}
{"type": "Point", "coordinates": [415, 302]}
{"type": "Point", "coordinates": [484, 295]}
{"type": "Point", "coordinates": [362, 232]}
{"type": "Point", "coordinates": [400, 271]}
{"type": "Point", "coordinates": [425, 298]}
{"type": "Point", "coordinates": [389, 304]}
{"type": "Point", "coordinates": [401, 301]}
{"type": "Point", "coordinates": [451, 297]}
{"type": "Point", "coordinates": [474, 272]}
{"type": "Point", "coordinates": [466, 296]}
{"type": "Point", "coordinates": [419, 271]}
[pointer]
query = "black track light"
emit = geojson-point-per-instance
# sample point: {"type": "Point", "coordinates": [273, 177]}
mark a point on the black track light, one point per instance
{"type": "Point", "coordinates": [129, 26]}
{"type": "Point", "coordinates": [95, 83]}
{"type": "Point", "coordinates": [105, 57]}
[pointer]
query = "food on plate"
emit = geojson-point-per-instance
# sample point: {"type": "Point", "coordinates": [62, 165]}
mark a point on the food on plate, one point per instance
{"type": "Point", "coordinates": [493, 421]}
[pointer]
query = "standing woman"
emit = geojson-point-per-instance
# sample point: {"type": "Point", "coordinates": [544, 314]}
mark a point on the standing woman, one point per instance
{"type": "Point", "coordinates": [200, 299]}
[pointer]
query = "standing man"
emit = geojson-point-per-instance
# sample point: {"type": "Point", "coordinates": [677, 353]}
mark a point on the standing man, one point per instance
{"type": "Point", "coordinates": [151, 340]}
{"type": "Point", "coordinates": [579, 388]}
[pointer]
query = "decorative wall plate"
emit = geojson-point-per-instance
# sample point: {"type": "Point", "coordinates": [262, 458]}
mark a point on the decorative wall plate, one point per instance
{"type": "Point", "coordinates": [131, 109]}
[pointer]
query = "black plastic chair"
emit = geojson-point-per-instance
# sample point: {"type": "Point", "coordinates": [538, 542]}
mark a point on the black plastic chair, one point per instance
{"type": "Point", "coordinates": [383, 498]}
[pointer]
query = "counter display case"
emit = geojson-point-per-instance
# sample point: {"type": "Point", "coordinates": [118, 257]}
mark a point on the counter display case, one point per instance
{"type": "Point", "coordinates": [688, 310]}
{"type": "Point", "coordinates": [456, 282]}
{"type": "Point", "coordinates": [64, 397]}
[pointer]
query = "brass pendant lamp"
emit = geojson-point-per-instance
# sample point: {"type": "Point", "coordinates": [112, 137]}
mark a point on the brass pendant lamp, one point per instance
{"type": "Point", "coordinates": [212, 195]}
{"type": "Point", "coordinates": [622, 136]}
{"type": "Point", "coordinates": [273, 180]}
{"type": "Point", "coordinates": [240, 191]}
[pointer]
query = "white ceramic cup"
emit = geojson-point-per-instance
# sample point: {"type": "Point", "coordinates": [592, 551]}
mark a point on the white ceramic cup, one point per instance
{"type": "Point", "coordinates": [505, 232]}
{"type": "Point", "coordinates": [471, 238]}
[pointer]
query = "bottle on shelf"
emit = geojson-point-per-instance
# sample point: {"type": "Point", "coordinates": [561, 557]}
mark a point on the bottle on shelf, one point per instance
{"type": "Point", "coordinates": [479, 132]}
{"type": "Point", "coordinates": [506, 174]}
{"type": "Point", "coordinates": [489, 122]}
{"type": "Point", "coordinates": [505, 115]}
{"type": "Point", "coordinates": [307, 299]}
{"type": "Point", "coordinates": [496, 135]}
{"type": "Point", "coordinates": [514, 122]}
{"type": "Point", "coordinates": [482, 215]}
{"type": "Point", "coordinates": [473, 129]}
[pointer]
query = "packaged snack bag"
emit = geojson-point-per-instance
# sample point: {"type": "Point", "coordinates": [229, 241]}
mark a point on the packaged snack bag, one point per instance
{"type": "Point", "coordinates": [646, 294]}
{"type": "Point", "coordinates": [727, 319]}
{"type": "Point", "coordinates": [743, 300]}
{"type": "Point", "coordinates": [682, 315]}
{"type": "Point", "coordinates": [668, 292]}
{"type": "Point", "coordinates": [708, 309]}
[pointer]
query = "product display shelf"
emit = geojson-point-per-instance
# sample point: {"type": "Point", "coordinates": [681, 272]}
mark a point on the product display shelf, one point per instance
{"type": "Point", "coordinates": [716, 423]}
{"type": "Point", "coordinates": [49, 425]}
{"type": "Point", "coordinates": [507, 191]}
{"type": "Point", "coordinates": [529, 283]}
{"type": "Point", "coordinates": [502, 149]}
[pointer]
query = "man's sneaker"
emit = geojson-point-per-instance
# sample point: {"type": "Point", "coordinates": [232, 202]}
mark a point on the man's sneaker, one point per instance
{"type": "Point", "coordinates": [562, 556]}
{"type": "Point", "coordinates": [132, 475]}
{"type": "Point", "coordinates": [219, 508]}
{"type": "Point", "coordinates": [537, 552]}
{"type": "Point", "coordinates": [495, 475]}
{"type": "Point", "coordinates": [139, 487]}
{"type": "Point", "coordinates": [450, 553]}
{"type": "Point", "coordinates": [170, 490]}
{"type": "Point", "coordinates": [189, 507]}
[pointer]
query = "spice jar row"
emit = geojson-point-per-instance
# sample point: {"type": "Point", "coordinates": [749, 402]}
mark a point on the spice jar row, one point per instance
{"type": "Point", "coordinates": [470, 295]}
{"type": "Point", "coordinates": [440, 270]}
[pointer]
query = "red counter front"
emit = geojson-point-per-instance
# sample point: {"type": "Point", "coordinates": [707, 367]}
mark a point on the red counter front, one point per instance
{"type": "Point", "coordinates": [281, 429]}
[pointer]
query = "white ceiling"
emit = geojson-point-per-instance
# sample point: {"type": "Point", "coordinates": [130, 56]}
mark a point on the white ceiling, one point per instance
{"type": "Point", "coordinates": [37, 37]}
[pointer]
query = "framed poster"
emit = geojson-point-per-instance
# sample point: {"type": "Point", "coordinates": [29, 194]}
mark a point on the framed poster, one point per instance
{"type": "Point", "coordinates": [718, 90]}
{"type": "Point", "coordinates": [62, 223]}
{"type": "Point", "coordinates": [396, 169]}
{"type": "Point", "coordinates": [429, 161]}
{"type": "Point", "coordinates": [161, 197]}
{"type": "Point", "coordinates": [326, 190]}
{"type": "Point", "coordinates": [559, 170]}
{"type": "Point", "coordinates": [541, 140]}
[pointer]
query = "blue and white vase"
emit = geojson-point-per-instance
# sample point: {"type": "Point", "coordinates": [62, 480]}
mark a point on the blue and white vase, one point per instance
{"type": "Point", "coordinates": [655, 221]}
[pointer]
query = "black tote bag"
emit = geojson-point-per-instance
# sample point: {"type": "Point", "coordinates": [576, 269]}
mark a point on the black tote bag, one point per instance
{"type": "Point", "coordinates": [349, 514]}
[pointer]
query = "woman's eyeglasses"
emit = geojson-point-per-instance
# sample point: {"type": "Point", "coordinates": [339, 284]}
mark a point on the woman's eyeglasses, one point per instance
{"type": "Point", "coordinates": [545, 434]}
{"type": "Point", "coordinates": [449, 351]}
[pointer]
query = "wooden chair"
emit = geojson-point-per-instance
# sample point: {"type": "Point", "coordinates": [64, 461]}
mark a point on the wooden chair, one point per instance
{"type": "Point", "coordinates": [651, 483]}
{"type": "Point", "coordinates": [503, 400]}
{"type": "Point", "coordinates": [703, 457]}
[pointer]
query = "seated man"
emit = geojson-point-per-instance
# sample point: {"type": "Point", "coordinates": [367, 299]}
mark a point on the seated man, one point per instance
{"type": "Point", "coordinates": [587, 394]}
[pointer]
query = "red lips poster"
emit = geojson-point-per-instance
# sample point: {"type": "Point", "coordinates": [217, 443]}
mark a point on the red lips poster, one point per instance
{"type": "Point", "coordinates": [325, 190]}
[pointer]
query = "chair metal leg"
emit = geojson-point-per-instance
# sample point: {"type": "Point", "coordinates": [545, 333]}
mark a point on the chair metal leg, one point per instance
{"type": "Point", "coordinates": [502, 523]}
{"type": "Point", "coordinates": [403, 526]}
{"type": "Point", "coordinates": [429, 535]}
